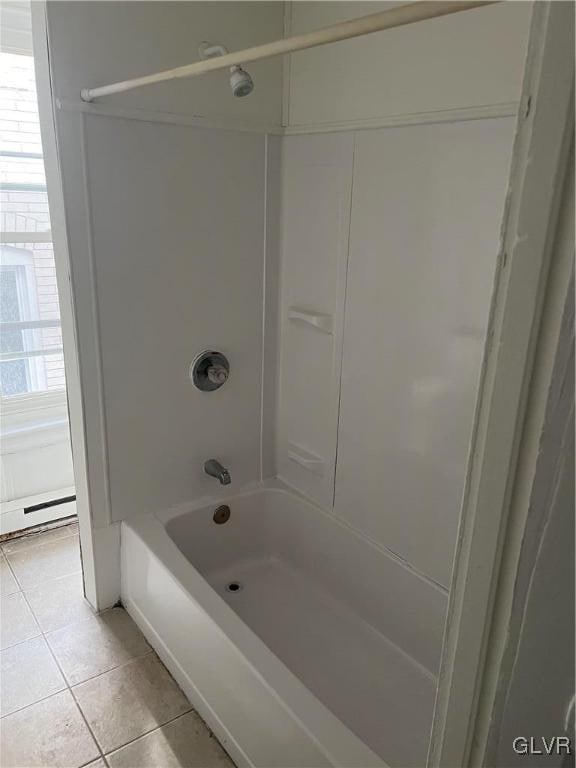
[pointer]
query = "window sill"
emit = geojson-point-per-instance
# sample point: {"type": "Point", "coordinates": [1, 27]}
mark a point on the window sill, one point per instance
{"type": "Point", "coordinates": [32, 402]}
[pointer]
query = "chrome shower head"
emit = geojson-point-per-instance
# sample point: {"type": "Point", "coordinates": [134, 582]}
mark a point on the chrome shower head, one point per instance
{"type": "Point", "coordinates": [240, 81]}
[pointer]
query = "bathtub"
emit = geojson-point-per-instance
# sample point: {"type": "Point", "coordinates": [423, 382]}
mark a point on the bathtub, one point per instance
{"type": "Point", "coordinates": [299, 642]}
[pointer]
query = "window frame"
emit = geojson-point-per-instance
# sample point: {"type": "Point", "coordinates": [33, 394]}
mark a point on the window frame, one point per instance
{"type": "Point", "coordinates": [36, 375]}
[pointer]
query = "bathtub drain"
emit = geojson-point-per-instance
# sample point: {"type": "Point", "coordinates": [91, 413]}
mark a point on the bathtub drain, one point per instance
{"type": "Point", "coordinates": [233, 586]}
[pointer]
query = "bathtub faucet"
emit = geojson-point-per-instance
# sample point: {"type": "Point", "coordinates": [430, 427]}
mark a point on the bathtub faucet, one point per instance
{"type": "Point", "coordinates": [213, 468]}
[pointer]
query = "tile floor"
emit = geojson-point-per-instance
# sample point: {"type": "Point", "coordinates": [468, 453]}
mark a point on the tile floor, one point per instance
{"type": "Point", "coordinates": [79, 688]}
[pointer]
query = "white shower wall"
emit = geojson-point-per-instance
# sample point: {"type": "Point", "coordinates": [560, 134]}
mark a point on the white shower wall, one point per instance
{"type": "Point", "coordinates": [389, 244]}
{"type": "Point", "coordinates": [468, 62]}
{"type": "Point", "coordinates": [188, 278]}
{"type": "Point", "coordinates": [165, 200]}
{"type": "Point", "coordinates": [174, 231]}
{"type": "Point", "coordinates": [315, 216]}
{"type": "Point", "coordinates": [393, 235]}
{"type": "Point", "coordinates": [426, 212]}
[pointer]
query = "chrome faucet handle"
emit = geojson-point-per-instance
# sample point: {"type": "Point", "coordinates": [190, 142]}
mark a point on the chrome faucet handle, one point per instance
{"type": "Point", "coordinates": [217, 374]}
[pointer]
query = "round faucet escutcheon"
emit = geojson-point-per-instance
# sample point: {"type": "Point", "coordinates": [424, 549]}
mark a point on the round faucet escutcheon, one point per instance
{"type": "Point", "coordinates": [209, 370]}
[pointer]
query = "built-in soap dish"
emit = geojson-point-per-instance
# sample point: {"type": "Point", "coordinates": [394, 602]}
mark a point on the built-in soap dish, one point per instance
{"type": "Point", "coordinates": [306, 459]}
{"type": "Point", "coordinates": [318, 320]}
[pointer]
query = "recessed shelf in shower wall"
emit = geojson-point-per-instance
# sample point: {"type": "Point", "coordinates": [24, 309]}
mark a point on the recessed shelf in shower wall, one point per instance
{"type": "Point", "coordinates": [314, 257]}
{"type": "Point", "coordinates": [310, 461]}
{"type": "Point", "coordinates": [319, 320]}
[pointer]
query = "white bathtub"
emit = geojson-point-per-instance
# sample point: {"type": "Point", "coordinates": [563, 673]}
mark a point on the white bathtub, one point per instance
{"type": "Point", "coordinates": [327, 653]}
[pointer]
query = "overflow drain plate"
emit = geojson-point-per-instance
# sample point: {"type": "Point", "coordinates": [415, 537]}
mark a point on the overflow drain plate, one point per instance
{"type": "Point", "coordinates": [233, 586]}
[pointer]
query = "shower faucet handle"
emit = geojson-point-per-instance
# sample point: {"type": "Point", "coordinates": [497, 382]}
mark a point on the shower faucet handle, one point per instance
{"type": "Point", "coordinates": [209, 370]}
{"type": "Point", "coordinates": [217, 374]}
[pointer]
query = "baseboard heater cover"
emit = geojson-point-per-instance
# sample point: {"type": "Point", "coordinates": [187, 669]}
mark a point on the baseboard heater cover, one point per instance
{"type": "Point", "coordinates": [47, 504]}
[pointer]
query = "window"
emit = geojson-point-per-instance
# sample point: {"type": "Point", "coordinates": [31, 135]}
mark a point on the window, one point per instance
{"type": "Point", "coordinates": [31, 358]}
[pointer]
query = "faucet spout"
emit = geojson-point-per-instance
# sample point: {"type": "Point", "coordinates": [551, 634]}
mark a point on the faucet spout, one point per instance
{"type": "Point", "coordinates": [213, 468]}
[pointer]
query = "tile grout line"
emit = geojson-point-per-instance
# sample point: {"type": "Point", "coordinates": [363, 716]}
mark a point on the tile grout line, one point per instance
{"type": "Point", "coordinates": [112, 669]}
{"type": "Point", "coordinates": [13, 574]}
{"type": "Point", "coordinates": [41, 583]}
{"type": "Point", "coordinates": [66, 683]}
{"type": "Point", "coordinates": [50, 581]}
{"type": "Point", "coordinates": [90, 731]}
{"type": "Point", "coordinates": [156, 728]}
{"type": "Point", "coordinates": [21, 592]}
{"type": "Point", "coordinates": [43, 632]}
{"type": "Point", "coordinates": [44, 698]}
{"type": "Point", "coordinates": [45, 635]}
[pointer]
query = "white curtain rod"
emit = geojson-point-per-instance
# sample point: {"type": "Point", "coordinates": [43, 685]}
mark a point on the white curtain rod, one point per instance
{"type": "Point", "coordinates": [376, 22]}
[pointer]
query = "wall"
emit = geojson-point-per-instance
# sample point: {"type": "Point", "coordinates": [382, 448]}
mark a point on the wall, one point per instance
{"type": "Point", "coordinates": [36, 461]}
{"type": "Point", "coordinates": [389, 244]}
{"type": "Point", "coordinates": [186, 278]}
{"type": "Point", "coordinates": [166, 229]}
{"type": "Point", "coordinates": [315, 212]}
{"type": "Point", "coordinates": [147, 434]}
{"type": "Point", "coordinates": [399, 253]}
{"type": "Point", "coordinates": [426, 213]}
{"type": "Point", "coordinates": [470, 62]}
{"type": "Point", "coordinates": [139, 38]}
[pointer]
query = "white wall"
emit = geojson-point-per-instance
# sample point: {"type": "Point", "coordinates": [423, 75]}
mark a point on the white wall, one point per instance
{"type": "Point", "coordinates": [94, 43]}
{"type": "Point", "coordinates": [35, 461]}
{"type": "Point", "coordinates": [464, 62]}
{"type": "Point", "coordinates": [426, 214]}
{"type": "Point", "coordinates": [393, 235]}
{"type": "Point", "coordinates": [410, 237]}
{"type": "Point", "coordinates": [178, 257]}
{"type": "Point", "coordinates": [166, 234]}
{"type": "Point", "coordinates": [169, 234]}
{"type": "Point", "coordinates": [316, 189]}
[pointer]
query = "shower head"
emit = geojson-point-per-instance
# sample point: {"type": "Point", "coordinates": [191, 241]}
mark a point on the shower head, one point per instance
{"type": "Point", "coordinates": [240, 81]}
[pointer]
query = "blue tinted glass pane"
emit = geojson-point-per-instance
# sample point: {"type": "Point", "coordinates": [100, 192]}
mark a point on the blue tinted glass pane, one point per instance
{"type": "Point", "coordinates": [9, 308]}
{"type": "Point", "coordinates": [13, 378]}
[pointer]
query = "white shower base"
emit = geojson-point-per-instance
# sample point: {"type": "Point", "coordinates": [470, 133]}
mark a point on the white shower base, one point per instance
{"type": "Point", "coordinates": [323, 655]}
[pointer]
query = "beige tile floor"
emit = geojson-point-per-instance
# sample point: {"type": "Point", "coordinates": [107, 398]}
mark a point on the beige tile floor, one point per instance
{"type": "Point", "coordinates": [79, 688]}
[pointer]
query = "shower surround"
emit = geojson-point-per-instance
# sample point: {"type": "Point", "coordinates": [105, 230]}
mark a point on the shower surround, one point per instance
{"type": "Point", "coordinates": [317, 610]}
{"type": "Point", "coordinates": [346, 274]}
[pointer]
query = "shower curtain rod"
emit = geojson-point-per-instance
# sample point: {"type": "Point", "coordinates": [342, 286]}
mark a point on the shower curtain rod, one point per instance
{"type": "Point", "coordinates": [376, 22]}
